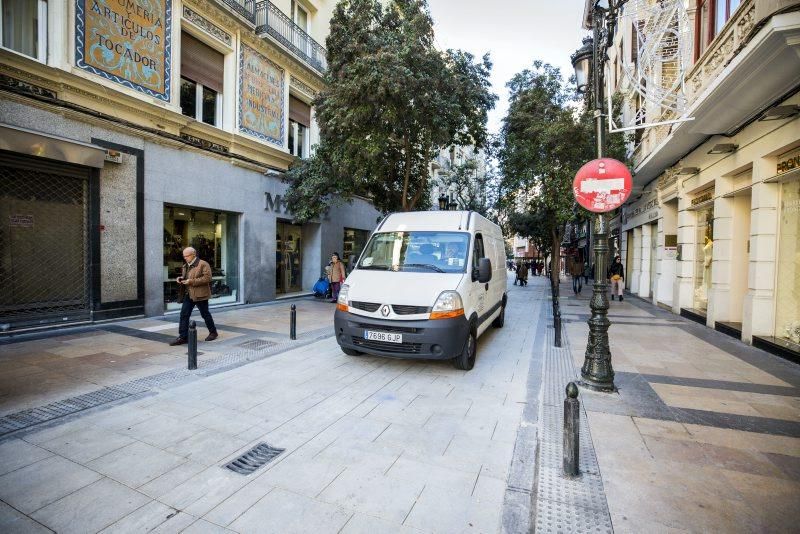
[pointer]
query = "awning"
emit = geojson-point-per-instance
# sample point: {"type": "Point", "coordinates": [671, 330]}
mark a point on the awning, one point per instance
{"type": "Point", "coordinates": [42, 145]}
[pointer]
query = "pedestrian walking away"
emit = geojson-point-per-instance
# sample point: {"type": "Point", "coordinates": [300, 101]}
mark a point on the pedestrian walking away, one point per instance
{"type": "Point", "coordinates": [337, 276]}
{"type": "Point", "coordinates": [616, 274]}
{"type": "Point", "coordinates": [576, 270]}
{"type": "Point", "coordinates": [194, 286]}
{"type": "Point", "coordinates": [587, 273]}
{"type": "Point", "coordinates": [522, 274]}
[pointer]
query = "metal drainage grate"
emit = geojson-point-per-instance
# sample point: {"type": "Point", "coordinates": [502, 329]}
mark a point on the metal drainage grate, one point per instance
{"type": "Point", "coordinates": [256, 457]}
{"type": "Point", "coordinates": [256, 344]}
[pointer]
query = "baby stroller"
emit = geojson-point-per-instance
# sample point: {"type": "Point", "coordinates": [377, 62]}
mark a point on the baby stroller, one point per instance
{"type": "Point", "coordinates": [322, 289]}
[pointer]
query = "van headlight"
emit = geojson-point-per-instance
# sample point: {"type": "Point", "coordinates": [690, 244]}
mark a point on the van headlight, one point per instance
{"type": "Point", "coordinates": [447, 306]}
{"type": "Point", "coordinates": [341, 302]}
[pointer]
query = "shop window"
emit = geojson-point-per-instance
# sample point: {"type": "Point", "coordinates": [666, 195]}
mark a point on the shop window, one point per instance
{"type": "Point", "coordinates": [202, 75]}
{"type": "Point", "coordinates": [214, 234]}
{"type": "Point", "coordinates": [354, 242]}
{"type": "Point", "coordinates": [703, 258]}
{"type": "Point", "coordinates": [787, 313]}
{"type": "Point", "coordinates": [299, 124]}
{"type": "Point", "coordinates": [24, 27]}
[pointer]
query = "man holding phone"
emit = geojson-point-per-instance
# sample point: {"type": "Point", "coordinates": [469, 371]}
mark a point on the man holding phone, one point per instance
{"type": "Point", "coordinates": [196, 279]}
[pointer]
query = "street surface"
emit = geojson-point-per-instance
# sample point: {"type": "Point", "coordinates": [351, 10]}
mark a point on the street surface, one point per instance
{"type": "Point", "coordinates": [703, 435]}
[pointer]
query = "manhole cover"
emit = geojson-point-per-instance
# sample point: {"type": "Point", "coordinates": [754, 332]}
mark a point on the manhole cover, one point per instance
{"type": "Point", "coordinates": [256, 457]}
{"type": "Point", "coordinates": [256, 344]}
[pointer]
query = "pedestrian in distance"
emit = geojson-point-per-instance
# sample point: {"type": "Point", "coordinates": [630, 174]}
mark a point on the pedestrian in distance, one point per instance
{"type": "Point", "coordinates": [587, 272]}
{"type": "Point", "coordinates": [522, 275]}
{"type": "Point", "coordinates": [337, 276]}
{"type": "Point", "coordinates": [616, 273]}
{"type": "Point", "coordinates": [576, 270]}
{"type": "Point", "coordinates": [194, 286]}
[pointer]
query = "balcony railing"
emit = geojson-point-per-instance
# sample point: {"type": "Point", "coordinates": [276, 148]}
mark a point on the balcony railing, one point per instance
{"type": "Point", "coordinates": [245, 8]}
{"type": "Point", "coordinates": [272, 21]}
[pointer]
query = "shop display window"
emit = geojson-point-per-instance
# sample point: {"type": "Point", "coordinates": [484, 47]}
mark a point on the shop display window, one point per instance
{"type": "Point", "coordinates": [703, 258]}
{"type": "Point", "coordinates": [214, 234]}
{"type": "Point", "coordinates": [787, 312]}
{"type": "Point", "coordinates": [354, 241]}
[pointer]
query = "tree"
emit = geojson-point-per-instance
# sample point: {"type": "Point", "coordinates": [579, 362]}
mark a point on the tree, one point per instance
{"type": "Point", "coordinates": [544, 141]}
{"type": "Point", "coordinates": [391, 102]}
{"type": "Point", "coordinates": [474, 188]}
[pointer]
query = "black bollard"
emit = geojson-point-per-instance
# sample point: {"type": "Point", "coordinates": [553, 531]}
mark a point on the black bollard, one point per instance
{"type": "Point", "coordinates": [293, 323]}
{"type": "Point", "coordinates": [572, 431]}
{"type": "Point", "coordinates": [192, 345]}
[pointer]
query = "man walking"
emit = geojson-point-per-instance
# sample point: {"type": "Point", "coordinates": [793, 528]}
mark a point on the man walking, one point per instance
{"type": "Point", "coordinates": [196, 281]}
{"type": "Point", "coordinates": [576, 270]}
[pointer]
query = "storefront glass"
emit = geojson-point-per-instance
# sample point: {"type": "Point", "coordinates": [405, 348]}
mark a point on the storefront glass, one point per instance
{"type": "Point", "coordinates": [214, 234]}
{"type": "Point", "coordinates": [289, 258]}
{"type": "Point", "coordinates": [787, 313]}
{"type": "Point", "coordinates": [704, 249]}
{"type": "Point", "coordinates": [354, 241]}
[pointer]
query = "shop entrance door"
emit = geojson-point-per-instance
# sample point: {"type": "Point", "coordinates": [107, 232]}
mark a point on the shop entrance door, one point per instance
{"type": "Point", "coordinates": [653, 259]}
{"type": "Point", "coordinates": [289, 258]}
{"type": "Point", "coordinates": [44, 243]}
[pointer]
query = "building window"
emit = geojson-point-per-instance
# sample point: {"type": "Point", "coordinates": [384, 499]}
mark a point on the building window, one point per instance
{"type": "Point", "coordinates": [24, 27]}
{"type": "Point", "coordinates": [710, 19]}
{"type": "Point", "coordinates": [202, 75]}
{"type": "Point", "coordinates": [354, 242]}
{"type": "Point", "coordinates": [299, 123]}
{"type": "Point", "coordinates": [787, 313]}
{"type": "Point", "coordinates": [214, 234]}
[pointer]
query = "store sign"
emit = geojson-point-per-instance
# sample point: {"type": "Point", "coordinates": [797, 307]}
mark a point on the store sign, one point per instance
{"type": "Point", "coordinates": [261, 97]}
{"type": "Point", "coordinates": [602, 185]}
{"type": "Point", "coordinates": [20, 221]}
{"type": "Point", "coordinates": [789, 164]}
{"type": "Point", "coordinates": [643, 211]}
{"type": "Point", "coordinates": [127, 42]}
{"type": "Point", "coordinates": [703, 197]}
{"type": "Point", "coordinates": [276, 203]}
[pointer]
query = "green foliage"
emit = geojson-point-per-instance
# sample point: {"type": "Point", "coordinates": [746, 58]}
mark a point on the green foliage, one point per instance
{"type": "Point", "coordinates": [474, 190]}
{"type": "Point", "coordinates": [391, 102]}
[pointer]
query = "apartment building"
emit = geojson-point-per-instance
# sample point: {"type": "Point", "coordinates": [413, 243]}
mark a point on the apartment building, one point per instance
{"type": "Point", "coordinates": [130, 129]}
{"type": "Point", "coordinates": [712, 231]}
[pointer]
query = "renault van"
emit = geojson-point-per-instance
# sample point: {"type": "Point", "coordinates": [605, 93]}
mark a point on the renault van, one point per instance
{"type": "Point", "coordinates": [426, 285]}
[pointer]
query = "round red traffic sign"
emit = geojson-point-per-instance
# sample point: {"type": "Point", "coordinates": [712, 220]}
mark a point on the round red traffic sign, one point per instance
{"type": "Point", "coordinates": [602, 185]}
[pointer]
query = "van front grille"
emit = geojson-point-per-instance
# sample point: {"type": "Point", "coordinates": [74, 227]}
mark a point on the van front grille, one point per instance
{"type": "Point", "coordinates": [385, 328]}
{"type": "Point", "coordinates": [402, 309]}
{"type": "Point", "coordinates": [399, 348]}
{"type": "Point", "coordinates": [366, 306]}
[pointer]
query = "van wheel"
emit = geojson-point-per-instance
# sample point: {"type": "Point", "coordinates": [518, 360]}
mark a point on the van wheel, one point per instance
{"type": "Point", "coordinates": [351, 352]}
{"type": "Point", "coordinates": [466, 360]}
{"type": "Point", "coordinates": [500, 320]}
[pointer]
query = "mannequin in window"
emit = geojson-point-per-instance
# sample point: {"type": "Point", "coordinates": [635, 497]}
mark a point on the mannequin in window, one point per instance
{"type": "Point", "coordinates": [708, 250]}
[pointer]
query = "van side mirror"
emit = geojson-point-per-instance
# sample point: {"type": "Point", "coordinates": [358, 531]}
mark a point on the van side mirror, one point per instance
{"type": "Point", "coordinates": [484, 270]}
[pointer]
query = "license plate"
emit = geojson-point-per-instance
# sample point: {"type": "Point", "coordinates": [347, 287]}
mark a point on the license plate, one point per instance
{"type": "Point", "coordinates": [383, 336]}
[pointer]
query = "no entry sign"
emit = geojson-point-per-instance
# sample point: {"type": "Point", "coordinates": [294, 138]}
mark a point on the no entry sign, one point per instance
{"type": "Point", "coordinates": [602, 185]}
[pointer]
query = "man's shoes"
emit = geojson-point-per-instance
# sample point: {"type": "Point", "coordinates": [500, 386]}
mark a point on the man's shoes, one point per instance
{"type": "Point", "coordinates": [178, 341]}
{"type": "Point", "coordinates": [212, 336]}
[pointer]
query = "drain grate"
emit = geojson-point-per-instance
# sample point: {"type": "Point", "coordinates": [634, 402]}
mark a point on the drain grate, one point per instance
{"type": "Point", "coordinates": [256, 457]}
{"type": "Point", "coordinates": [256, 344]}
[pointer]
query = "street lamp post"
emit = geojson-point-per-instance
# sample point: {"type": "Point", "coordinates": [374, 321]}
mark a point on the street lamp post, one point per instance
{"type": "Point", "coordinates": [442, 201]}
{"type": "Point", "coordinates": [588, 61]}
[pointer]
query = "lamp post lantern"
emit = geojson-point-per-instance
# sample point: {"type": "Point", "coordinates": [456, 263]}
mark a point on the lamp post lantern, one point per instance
{"type": "Point", "coordinates": [442, 202]}
{"type": "Point", "coordinates": [588, 61]}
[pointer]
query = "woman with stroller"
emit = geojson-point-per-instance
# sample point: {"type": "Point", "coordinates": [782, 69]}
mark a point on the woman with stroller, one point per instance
{"type": "Point", "coordinates": [336, 276]}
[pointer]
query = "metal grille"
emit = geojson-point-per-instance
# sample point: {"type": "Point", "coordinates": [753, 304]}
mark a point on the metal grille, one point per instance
{"type": "Point", "coordinates": [256, 344]}
{"type": "Point", "coordinates": [402, 309]}
{"type": "Point", "coordinates": [256, 457]}
{"type": "Point", "coordinates": [366, 306]}
{"type": "Point", "coordinates": [272, 21]}
{"type": "Point", "coordinates": [43, 246]}
{"type": "Point", "coordinates": [400, 348]}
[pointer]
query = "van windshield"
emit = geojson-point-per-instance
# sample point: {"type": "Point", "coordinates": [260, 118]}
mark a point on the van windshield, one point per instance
{"type": "Point", "coordinates": [441, 252]}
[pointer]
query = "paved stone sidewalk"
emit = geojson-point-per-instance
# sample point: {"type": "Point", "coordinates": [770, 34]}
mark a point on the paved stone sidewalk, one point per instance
{"type": "Point", "coordinates": [704, 432]}
{"type": "Point", "coordinates": [372, 444]}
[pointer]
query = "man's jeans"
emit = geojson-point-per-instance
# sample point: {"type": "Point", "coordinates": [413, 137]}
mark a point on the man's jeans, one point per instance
{"type": "Point", "coordinates": [577, 284]}
{"type": "Point", "coordinates": [186, 312]}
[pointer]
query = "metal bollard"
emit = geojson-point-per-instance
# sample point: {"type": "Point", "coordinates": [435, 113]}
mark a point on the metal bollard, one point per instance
{"type": "Point", "coordinates": [293, 323]}
{"type": "Point", "coordinates": [192, 345]}
{"type": "Point", "coordinates": [557, 323]}
{"type": "Point", "coordinates": [572, 431]}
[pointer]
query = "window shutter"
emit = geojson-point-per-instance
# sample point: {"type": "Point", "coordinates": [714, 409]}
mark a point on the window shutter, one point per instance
{"type": "Point", "coordinates": [201, 63]}
{"type": "Point", "coordinates": [299, 111]}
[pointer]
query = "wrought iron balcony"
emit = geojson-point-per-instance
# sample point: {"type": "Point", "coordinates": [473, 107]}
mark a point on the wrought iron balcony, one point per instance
{"type": "Point", "coordinates": [272, 21]}
{"type": "Point", "coordinates": [245, 8]}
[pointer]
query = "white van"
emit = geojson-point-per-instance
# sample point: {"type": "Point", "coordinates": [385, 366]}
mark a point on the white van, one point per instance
{"type": "Point", "coordinates": [426, 286]}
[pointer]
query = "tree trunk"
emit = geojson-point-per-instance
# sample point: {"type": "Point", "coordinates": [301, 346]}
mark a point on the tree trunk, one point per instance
{"type": "Point", "coordinates": [555, 260]}
{"type": "Point", "coordinates": [406, 172]}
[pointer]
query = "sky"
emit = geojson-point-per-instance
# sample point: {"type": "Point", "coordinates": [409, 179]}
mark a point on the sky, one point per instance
{"type": "Point", "coordinates": [514, 32]}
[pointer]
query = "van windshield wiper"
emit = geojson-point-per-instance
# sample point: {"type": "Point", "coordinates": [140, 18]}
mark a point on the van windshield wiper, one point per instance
{"type": "Point", "coordinates": [425, 265]}
{"type": "Point", "coordinates": [376, 267]}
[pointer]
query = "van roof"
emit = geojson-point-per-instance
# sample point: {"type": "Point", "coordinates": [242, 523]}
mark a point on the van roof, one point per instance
{"type": "Point", "coordinates": [452, 221]}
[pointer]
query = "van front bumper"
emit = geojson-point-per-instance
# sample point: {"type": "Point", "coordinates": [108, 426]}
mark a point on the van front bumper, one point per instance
{"type": "Point", "coordinates": [438, 339]}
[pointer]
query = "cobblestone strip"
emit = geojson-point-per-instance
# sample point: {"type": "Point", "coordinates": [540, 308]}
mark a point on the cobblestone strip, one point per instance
{"type": "Point", "coordinates": [565, 504]}
{"type": "Point", "coordinates": [25, 419]}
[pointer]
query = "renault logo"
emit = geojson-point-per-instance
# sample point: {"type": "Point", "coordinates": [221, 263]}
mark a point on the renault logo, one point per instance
{"type": "Point", "coordinates": [385, 310]}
